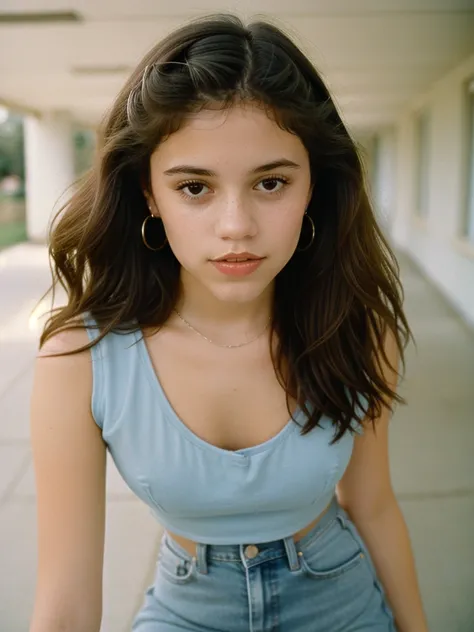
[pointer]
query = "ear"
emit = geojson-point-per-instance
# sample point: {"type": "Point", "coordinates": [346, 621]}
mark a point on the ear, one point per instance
{"type": "Point", "coordinates": [310, 195]}
{"type": "Point", "coordinates": [151, 203]}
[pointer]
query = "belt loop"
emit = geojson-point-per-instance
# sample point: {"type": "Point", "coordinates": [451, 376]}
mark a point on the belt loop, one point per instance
{"type": "Point", "coordinates": [291, 553]}
{"type": "Point", "coordinates": [342, 518]}
{"type": "Point", "coordinates": [201, 552]}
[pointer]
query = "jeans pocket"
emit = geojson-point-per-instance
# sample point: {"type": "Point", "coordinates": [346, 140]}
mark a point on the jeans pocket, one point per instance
{"type": "Point", "coordinates": [173, 565]}
{"type": "Point", "coordinates": [332, 553]}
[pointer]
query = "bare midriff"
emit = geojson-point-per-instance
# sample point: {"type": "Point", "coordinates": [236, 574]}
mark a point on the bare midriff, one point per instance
{"type": "Point", "coordinates": [191, 547]}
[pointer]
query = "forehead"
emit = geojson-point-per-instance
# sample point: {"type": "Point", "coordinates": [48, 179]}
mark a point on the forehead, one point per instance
{"type": "Point", "coordinates": [244, 133]}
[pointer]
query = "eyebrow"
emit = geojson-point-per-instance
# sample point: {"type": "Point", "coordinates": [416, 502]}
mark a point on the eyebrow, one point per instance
{"type": "Point", "coordinates": [199, 171]}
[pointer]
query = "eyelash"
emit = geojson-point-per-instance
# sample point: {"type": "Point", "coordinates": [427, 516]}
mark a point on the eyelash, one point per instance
{"type": "Point", "coordinates": [285, 181]}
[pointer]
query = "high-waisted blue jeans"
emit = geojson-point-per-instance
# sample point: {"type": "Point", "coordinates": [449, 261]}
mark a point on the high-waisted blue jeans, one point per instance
{"type": "Point", "coordinates": [326, 582]}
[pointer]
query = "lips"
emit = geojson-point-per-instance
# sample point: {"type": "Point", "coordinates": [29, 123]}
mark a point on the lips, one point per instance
{"type": "Point", "coordinates": [238, 264]}
{"type": "Point", "coordinates": [238, 258]}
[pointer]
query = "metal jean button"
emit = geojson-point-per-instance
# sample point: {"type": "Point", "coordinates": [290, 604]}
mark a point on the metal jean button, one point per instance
{"type": "Point", "coordinates": [251, 551]}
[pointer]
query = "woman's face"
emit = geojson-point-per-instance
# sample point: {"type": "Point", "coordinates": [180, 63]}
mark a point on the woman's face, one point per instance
{"type": "Point", "coordinates": [231, 184]}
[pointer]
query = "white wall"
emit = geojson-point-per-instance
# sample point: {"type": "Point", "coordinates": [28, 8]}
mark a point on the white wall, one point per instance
{"type": "Point", "coordinates": [435, 243]}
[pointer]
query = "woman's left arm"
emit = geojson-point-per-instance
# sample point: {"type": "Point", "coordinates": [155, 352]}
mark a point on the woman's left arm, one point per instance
{"type": "Point", "coordinates": [366, 493]}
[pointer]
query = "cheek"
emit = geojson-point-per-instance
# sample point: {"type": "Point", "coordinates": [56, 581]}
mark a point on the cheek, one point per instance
{"type": "Point", "coordinates": [185, 237]}
{"type": "Point", "coordinates": [183, 242]}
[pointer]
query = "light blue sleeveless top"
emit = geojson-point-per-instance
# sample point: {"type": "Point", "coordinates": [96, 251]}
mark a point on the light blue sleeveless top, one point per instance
{"type": "Point", "coordinates": [195, 489]}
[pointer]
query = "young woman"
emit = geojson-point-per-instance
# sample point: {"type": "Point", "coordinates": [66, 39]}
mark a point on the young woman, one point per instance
{"type": "Point", "coordinates": [232, 336]}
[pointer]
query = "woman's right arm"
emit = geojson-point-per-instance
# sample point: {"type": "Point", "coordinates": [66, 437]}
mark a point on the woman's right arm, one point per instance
{"type": "Point", "coordinates": [69, 458]}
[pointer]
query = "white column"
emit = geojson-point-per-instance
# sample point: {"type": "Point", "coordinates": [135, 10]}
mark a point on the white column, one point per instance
{"type": "Point", "coordinates": [49, 158]}
{"type": "Point", "coordinates": [384, 185]}
{"type": "Point", "coordinates": [401, 225]}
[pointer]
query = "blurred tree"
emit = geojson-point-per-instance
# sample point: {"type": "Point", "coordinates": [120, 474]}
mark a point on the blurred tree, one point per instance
{"type": "Point", "coordinates": [12, 158]}
{"type": "Point", "coordinates": [84, 147]}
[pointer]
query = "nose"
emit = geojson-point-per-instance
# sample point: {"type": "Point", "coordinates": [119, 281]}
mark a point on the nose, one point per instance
{"type": "Point", "coordinates": [236, 219]}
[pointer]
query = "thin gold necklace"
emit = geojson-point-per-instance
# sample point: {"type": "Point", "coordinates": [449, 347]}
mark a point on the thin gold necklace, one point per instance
{"type": "Point", "coordinates": [242, 344]}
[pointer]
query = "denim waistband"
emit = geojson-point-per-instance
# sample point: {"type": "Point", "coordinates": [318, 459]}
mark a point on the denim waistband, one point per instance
{"type": "Point", "coordinates": [266, 550]}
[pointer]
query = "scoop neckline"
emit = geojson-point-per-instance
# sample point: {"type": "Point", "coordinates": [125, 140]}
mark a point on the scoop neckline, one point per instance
{"type": "Point", "coordinates": [242, 455]}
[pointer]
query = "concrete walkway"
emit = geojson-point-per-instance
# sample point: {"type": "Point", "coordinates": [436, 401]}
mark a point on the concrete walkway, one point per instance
{"type": "Point", "coordinates": [432, 451]}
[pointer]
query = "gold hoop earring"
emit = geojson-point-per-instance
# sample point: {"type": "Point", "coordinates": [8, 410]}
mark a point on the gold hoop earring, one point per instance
{"type": "Point", "coordinates": [145, 241]}
{"type": "Point", "coordinates": [313, 234]}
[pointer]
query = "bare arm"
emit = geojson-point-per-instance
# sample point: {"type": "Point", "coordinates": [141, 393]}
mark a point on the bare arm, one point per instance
{"type": "Point", "coordinates": [69, 459]}
{"type": "Point", "coordinates": [366, 492]}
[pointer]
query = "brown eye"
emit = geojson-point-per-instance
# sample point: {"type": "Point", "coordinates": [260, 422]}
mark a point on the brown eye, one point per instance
{"type": "Point", "coordinates": [195, 189]}
{"type": "Point", "coordinates": [270, 185]}
{"type": "Point", "coordinates": [273, 185]}
{"type": "Point", "coordinates": [192, 190]}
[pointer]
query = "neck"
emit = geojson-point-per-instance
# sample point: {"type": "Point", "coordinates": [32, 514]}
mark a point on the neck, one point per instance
{"type": "Point", "coordinates": [211, 315]}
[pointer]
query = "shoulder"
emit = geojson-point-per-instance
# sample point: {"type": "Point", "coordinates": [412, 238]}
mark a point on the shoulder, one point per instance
{"type": "Point", "coordinates": [66, 342]}
{"type": "Point", "coordinates": [63, 386]}
{"type": "Point", "coordinates": [63, 367]}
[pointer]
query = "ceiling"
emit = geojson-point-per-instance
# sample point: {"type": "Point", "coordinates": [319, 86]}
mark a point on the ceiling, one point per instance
{"type": "Point", "coordinates": [376, 55]}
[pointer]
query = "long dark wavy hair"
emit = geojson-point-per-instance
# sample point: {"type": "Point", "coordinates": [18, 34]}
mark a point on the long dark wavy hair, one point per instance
{"type": "Point", "coordinates": [334, 304]}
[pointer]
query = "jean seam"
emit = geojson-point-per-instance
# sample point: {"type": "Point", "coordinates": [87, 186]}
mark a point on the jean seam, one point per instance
{"type": "Point", "coordinates": [178, 579]}
{"type": "Point", "coordinates": [371, 568]}
{"type": "Point", "coordinates": [275, 598]}
{"type": "Point", "coordinates": [316, 535]}
{"type": "Point", "coordinates": [183, 556]}
{"type": "Point", "coordinates": [337, 572]}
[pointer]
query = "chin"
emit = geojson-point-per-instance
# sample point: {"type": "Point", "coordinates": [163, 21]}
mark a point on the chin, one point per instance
{"type": "Point", "coordinates": [238, 292]}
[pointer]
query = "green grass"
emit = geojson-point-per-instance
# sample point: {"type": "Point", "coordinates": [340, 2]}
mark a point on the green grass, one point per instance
{"type": "Point", "coordinates": [12, 233]}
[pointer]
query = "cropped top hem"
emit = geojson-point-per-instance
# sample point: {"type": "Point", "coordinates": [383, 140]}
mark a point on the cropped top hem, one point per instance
{"type": "Point", "coordinates": [244, 536]}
